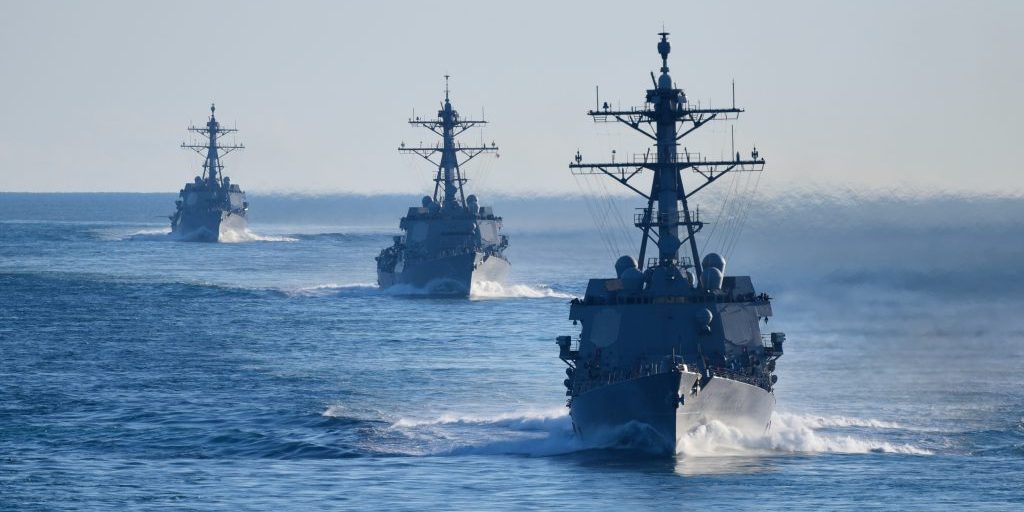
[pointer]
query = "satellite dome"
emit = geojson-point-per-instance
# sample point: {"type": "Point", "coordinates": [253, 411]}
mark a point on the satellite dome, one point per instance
{"type": "Point", "coordinates": [712, 278]}
{"type": "Point", "coordinates": [624, 263]}
{"type": "Point", "coordinates": [714, 260]}
{"type": "Point", "coordinates": [427, 201]}
{"type": "Point", "coordinates": [632, 279]}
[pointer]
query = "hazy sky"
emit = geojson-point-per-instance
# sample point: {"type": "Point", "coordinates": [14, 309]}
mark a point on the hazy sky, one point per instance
{"type": "Point", "coordinates": [912, 95]}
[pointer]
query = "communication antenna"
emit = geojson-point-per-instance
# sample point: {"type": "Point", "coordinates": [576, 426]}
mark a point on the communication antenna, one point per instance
{"type": "Point", "coordinates": [668, 221]}
{"type": "Point", "coordinates": [448, 125]}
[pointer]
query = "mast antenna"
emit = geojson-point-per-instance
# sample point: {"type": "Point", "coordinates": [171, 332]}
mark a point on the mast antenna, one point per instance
{"type": "Point", "coordinates": [667, 117]}
{"type": "Point", "coordinates": [449, 178]}
{"type": "Point", "coordinates": [212, 150]}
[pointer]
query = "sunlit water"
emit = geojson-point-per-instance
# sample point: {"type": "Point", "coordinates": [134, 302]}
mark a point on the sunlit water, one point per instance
{"type": "Point", "coordinates": [140, 372]}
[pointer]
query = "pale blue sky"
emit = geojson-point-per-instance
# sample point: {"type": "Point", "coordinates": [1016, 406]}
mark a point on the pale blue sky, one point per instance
{"type": "Point", "coordinates": [914, 95]}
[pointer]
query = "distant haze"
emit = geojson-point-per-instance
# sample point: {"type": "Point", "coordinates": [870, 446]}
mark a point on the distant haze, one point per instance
{"type": "Point", "coordinates": [914, 96]}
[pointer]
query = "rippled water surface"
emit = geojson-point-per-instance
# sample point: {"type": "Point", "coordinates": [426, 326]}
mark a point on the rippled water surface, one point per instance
{"type": "Point", "coordinates": [139, 372]}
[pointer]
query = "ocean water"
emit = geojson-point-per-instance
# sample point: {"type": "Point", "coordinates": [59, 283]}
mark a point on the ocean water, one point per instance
{"type": "Point", "coordinates": [140, 373]}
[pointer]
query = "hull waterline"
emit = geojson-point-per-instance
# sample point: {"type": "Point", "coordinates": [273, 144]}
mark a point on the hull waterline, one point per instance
{"type": "Point", "coordinates": [452, 275]}
{"type": "Point", "coordinates": [668, 407]}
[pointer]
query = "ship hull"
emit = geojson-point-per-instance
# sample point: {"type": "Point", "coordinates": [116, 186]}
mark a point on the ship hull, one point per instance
{"type": "Point", "coordinates": [208, 226]}
{"type": "Point", "coordinates": [663, 408]}
{"type": "Point", "coordinates": [450, 275]}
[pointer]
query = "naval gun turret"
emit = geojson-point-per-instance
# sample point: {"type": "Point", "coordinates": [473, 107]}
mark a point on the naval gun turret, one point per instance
{"type": "Point", "coordinates": [450, 241]}
{"type": "Point", "coordinates": [210, 205]}
{"type": "Point", "coordinates": [672, 341]}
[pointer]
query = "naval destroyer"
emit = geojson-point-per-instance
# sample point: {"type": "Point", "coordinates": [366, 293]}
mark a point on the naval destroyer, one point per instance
{"type": "Point", "coordinates": [449, 241]}
{"type": "Point", "coordinates": [671, 343]}
{"type": "Point", "coordinates": [210, 205]}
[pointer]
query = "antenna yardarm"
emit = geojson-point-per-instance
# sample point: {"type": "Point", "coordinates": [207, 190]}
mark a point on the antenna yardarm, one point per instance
{"type": "Point", "coordinates": [666, 118]}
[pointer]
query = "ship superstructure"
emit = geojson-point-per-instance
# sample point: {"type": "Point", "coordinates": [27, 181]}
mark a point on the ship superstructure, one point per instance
{"type": "Point", "coordinates": [449, 241]}
{"type": "Point", "coordinates": [210, 205]}
{"type": "Point", "coordinates": [671, 342]}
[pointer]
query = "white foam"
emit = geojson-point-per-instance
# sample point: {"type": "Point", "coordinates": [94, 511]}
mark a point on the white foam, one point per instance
{"type": "Point", "coordinates": [528, 420]}
{"type": "Point", "coordinates": [549, 432]}
{"type": "Point", "coordinates": [336, 286]}
{"type": "Point", "coordinates": [152, 234]}
{"type": "Point", "coordinates": [495, 290]}
{"type": "Point", "coordinates": [534, 433]}
{"type": "Point", "coordinates": [334, 411]}
{"type": "Point", "coordinates": [790, 433]}
{"type": "Point", "coordinates": [845, 421]}
{"type": "Point", "coordinates": [231, 236]}
{"type": "Point", "coordinates": [149, 232]}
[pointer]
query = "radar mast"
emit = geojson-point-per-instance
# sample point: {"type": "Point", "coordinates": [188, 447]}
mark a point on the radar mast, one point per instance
{"type": "Point", "coordinates": [212, 150]}
{"type": "Point", "coordinates": [448, 125]}
{"type": "Point", "coordinates": [666, 118]}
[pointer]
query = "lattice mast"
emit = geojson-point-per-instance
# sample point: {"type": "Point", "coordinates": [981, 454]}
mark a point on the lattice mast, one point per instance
{"type": "Point", "coordinates": [212, 149]}
{"type": "Point", "coordinates": [448, 125]}
{"type": "Point", "coordinates": [667, 112]}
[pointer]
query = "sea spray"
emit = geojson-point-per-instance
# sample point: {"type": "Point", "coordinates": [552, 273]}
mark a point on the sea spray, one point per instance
{"type": "Point", "coordinates": [550, 432]}
{"type": "Point", "coordinates": [495, 290]}
{"type": "Point", "coordinates": [231, 236]}
{"type": "Point", "coordinates": [789, 433]}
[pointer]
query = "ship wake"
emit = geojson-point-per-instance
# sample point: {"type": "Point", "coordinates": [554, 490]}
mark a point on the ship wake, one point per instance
{"type": "Point", "coordinates": [549, 433]}
{"type": "Point", "coordinates": [335, 289]}
{"type": "Point", "coordinates": [495, 290]}
{"type": "Point", "coordinates": [480, 290]}
{"type": "Point", "coordinates": [145, 235]}
{"type": "Point", "coordinates": [230, 236]}
{"type": "Point", "coordinates": [531, 433]}
{"type": "Point", "coordinates": [796, 434]}
{"type": "Point", "coordinates": [234, 236]}
{"type": "Point", "coordinates": [488, 291]}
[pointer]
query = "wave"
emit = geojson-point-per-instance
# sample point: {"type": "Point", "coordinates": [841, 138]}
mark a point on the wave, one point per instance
{"type": "Point", "coordinates": [146, 235]}
{"type": "Point", "coordinates": [347, 236]}
{"type": "Point", "coordinates": [335, 411]}
{"type": "Point", "coordinates": [495, 290]}
{"type": "Point", "coordinates": [528, 421]}
{"type": "Point", "coordinates": [845, 421]}
{"type": "Point", "coordinates": [483, 290]}
{"type": "Point", "coordinates": [549, 432]}
{"type": "Point", "coordinates": [480, 290]}
{"type": "Point", "coordinates": [232, 236]}
{"type": "Point", "coordinates": [790, 433]}
{"type": "Point", "coordinates": [229, 236]}
{"type": "Point", "coordinates": [532, 433]}
{"type": "Point", "coordinates": [335, 289]}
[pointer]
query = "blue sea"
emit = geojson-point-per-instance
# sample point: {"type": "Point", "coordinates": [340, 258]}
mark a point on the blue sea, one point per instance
{"type": "Point", "coordinates": [142, 373]}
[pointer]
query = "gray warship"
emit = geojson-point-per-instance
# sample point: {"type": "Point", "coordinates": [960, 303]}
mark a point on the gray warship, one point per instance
{"type": "Point", "coordinates": [210, 205]}
{"type": "Point", "coordinates": [449, 241]}
{"type": "Point", "coordinates": [675, 343]}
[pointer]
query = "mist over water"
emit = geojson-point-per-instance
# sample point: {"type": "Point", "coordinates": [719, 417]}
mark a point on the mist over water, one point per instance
{"type": "Point", "coordinates": [142, 372]}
